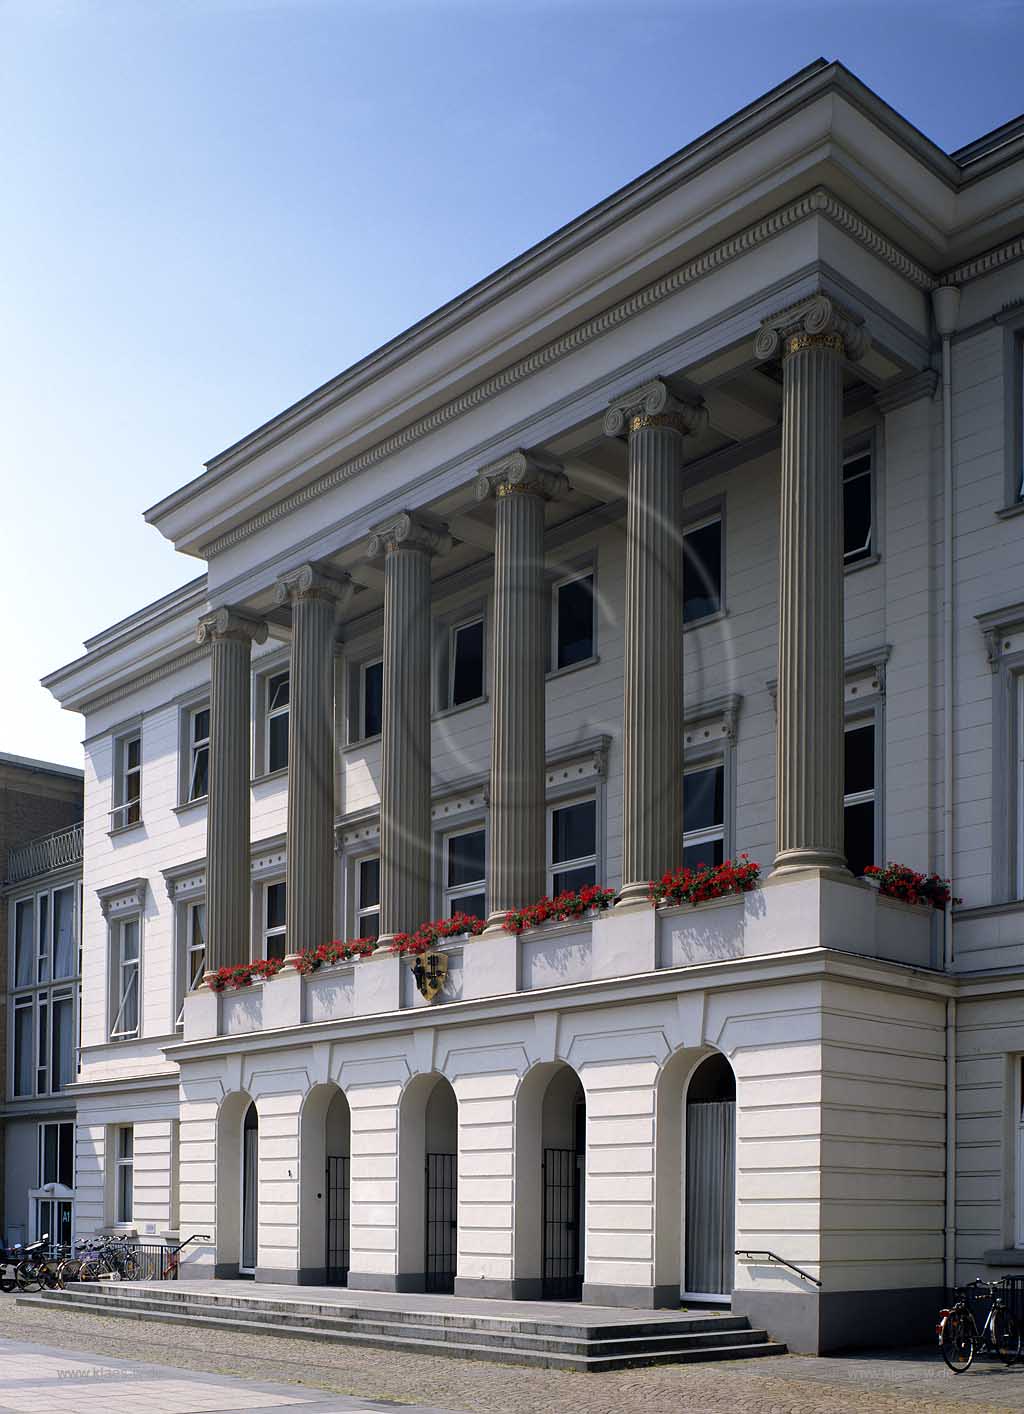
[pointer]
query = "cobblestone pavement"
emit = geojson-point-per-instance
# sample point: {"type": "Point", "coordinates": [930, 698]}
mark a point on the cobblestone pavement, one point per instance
{"type": "Point", "coordinates": [914, 1383]}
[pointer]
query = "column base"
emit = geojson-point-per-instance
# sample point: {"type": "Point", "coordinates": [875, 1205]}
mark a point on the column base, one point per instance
{"type": "Point", "coordinates": [633, 895]}
{"type": "Point", "coordinates": [492, 1289]}
{"type": "Point", "coordinates": [806, 861]}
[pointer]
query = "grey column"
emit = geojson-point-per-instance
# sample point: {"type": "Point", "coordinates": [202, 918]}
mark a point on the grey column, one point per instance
{"type": "Point", "coordinates": [517, 854]}
{"type": "Point", "coordinates": [316, 599]}
{"type": "Point", "coordinates": [652, 736]}
{"type": "Point", "coordinates": [228, 908]}
{"type": "Point", "coordinates": [405, 820]}
{"type": "Point", "coordinates": [814, 339]}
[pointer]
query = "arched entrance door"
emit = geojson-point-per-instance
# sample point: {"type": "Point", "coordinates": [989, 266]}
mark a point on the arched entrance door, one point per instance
{"type": "Point", "coordinates": [428, 1203]}
{"type": "Point", "coordinates": [250, 1192]}
{"type": "Point", "coordinates": [338, 1191]}
{"type": "Point", "coordinates": [710, 1180]}
{"type": "Point", "coordinates": [564, 1139]}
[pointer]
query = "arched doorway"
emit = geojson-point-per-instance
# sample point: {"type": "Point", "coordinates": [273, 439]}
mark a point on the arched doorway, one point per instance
{"type": "Point", "coordinates": [551, 1144]}
{"type": "Point", "coordinates": [428, 1205]}
{"type": "Point", "coordinates": [236, 1118]}
{"type": "Point", "coordinates": [710, 1222]}
{"type": "Point", "coordinates": [325, 1186]}
{"type": "Point", "coordinates": [250, 1205]}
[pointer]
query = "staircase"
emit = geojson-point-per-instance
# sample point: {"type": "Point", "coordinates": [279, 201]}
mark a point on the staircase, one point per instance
{"type": "Point", "coordinates": [569, 1337]}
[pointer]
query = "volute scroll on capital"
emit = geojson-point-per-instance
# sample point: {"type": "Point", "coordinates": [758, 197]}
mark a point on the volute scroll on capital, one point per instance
{"type": "Point", "coordinates": [408, 532]}
{"type": "Point", "coordinates": [653, 404]}
{"type": "Point", "coordinates": [522, 473]}
{"type": "Point", "coordinates": [229, 623]}
{"type": "Point", "coordinates": [310, 581]}
{"type": "Point", "coordinates": [817, 322]}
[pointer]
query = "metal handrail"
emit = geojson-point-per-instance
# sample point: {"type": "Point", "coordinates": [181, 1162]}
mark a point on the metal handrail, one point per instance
{"type": "Point", "coordinates": [778, 1261]}
{"type": "Point", "coordinates": [54, 851]}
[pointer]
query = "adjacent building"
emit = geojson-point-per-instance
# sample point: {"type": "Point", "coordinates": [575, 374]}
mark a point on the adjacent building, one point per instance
{"type": "Point", "coordinates": [694, 531]}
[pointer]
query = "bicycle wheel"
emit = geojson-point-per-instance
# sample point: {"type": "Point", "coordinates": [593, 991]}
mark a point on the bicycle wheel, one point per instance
{"type": "Point", "coordinates": [129, 1266]}
{"type": "Point", "coordinates": [1006, 1336]}
{"type": "Point", "coordinates": [67, 1270]}
{"type": "Point", "coordinates": [957, 1342]}
{"type": "Point", "coordinates": [89, 1270]}
{"type": "Point", "coordinates": [7, 1279]}
{"type": "Point", "coordinates": [28, 1276]}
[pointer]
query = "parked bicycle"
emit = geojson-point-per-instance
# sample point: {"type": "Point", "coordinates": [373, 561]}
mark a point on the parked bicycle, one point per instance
{"type": "Point", "coordinates": [110, 1259]}
{"type": "Point", "coordinates": [37, 1266]}
{"type": "Point", "coordinates": [957, 1330]}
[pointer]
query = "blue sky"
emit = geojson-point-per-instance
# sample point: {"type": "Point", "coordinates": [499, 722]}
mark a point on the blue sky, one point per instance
{"type": "Point", "coordinates": [213, 206]}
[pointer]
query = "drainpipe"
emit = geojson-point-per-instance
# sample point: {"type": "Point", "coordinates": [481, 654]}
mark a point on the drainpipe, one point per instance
{"type": "Point", "coordinates": [945, 311]}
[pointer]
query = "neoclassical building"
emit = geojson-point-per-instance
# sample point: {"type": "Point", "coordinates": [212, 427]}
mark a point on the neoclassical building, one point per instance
{"type": "Point", "coordinates": [695, 531]}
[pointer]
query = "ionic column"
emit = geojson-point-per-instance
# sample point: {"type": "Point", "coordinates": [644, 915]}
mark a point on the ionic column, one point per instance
{"type": "Point", "coordinates": [230, 636]}
{"type": "Point", "coordinates": [405, 829]}
{"type": "Point", "coordinates": [316, 597]}
{"type": "Point", "coordinates": [652, 739]}
{"type": "Point", "coordinates": [517, 857]}
{"type": "Point", "coordinates": [815, 337]}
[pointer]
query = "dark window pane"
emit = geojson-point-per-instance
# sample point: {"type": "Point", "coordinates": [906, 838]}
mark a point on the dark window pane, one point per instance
{"type": "Point", "coordinates": [373, 698]}
{"type": "Point", "coordinates": [276, 945]}
{"type": "Point", "coordinates": [473, 904]}
{"type": "Point", "coordinates": [703, 798]}
{"type": "Point", "coordinates": [201, 773]}
{"type": "Point", "coordinates": [860, 760]}
{"type": "Point", "coordinates": [859, 829]}
{"type": "Point", "coordinates": [276, 905]}
{"type": "Point", "coordinates": [277, 692]}
{"type": "Point", "coordinates": [63, 933]}
{"type": "Point", "coordinates": [857, 508]}
{"type": "Point", "coordinates": [696, 855]}
{"type": "Point", "coordinates": [369, 926]}
{"type": "Point", "coordinates": [573, 879]}
{"type": "Point", "coordinates": [465, 858]}
{"type": "Point", "coordinates": [573, 831]}
{"type": "Point", "coordinates": [24, 944]}
{"type": "Point", "coordinates": [702, 571]}
{"type": "Point", "coordinates": [23, 1050]}
{"type": "Point", "coordinates": [201, 725]}
{"type": "Point", "coordinates": [575, 621]}
{"type": "Point", "coordinates": [132, 750]}
{"type": "Point", "coordinates": [468, 669]}
{"type": "Point", "coordinates": [62, 1044]}
{"type": "Point", "coordinates": [369, 882]}
{"type": "Point", "coordinates": [277, 755]}
{"type": "Point", "coordinates": [66, 1156]}
{"type": "Point", "coordinates": [51, 1137]}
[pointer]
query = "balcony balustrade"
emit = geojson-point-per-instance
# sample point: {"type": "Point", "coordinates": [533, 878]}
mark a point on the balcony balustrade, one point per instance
{"type": "Point", "coordinates": [58, 850]}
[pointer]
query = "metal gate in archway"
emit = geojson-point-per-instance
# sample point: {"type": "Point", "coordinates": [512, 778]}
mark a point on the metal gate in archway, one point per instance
{"type": "Point", "coordinates": [563, 1275]}
{"type": "Point", "coordinates": [338, 1211]}
{"type": "Point", "coordinates": [442, 1221]}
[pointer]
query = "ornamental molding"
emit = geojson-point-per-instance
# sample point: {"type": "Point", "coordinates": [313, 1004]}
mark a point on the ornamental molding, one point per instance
{"type": "Point", "coordinates": [521, 472]}
{"type": "Point", "coordinates": [312, 581]}
{"type": "Point", "coordinates": [815, 322]}
{"type": "Point", "coordinates": [715, 720]}
{"type": "Point", "coordinates": [136, 684]}
{"type": "Point", "coordinates": [229, 623]}
{"type": "Point", "coordinates": [128, 897]}
{"type": "Point", "coordinates": [406, 531]}
{"type": "Point", "coordinates": [653, 404]}
{"type": "Point", "coordinates": [581, 761]}
{"type": "Point", "coordinates": [819, 202]}
{"type": "Point", "coordinates": [269, 857]}
{"type": "Point", "coordinates": [863, 675]}
{"type": "Point", "coordinates": [1003, 632]}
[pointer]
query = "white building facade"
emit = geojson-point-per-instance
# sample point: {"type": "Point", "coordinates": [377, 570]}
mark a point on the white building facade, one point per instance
{"type": "Point", "coordinates": [695, 531]}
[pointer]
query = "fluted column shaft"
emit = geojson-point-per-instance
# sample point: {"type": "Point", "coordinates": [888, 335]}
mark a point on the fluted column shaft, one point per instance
{"type": "Point", "coordinates": [227, 816]}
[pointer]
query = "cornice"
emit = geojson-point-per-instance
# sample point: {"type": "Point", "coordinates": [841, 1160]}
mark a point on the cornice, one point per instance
{"type": "Point", "coordinates": [136, 683]}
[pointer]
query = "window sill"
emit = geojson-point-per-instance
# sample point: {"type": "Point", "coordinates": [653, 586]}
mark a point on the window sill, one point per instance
{"type": "Point", "coordinates": [281, 774]}
{"type": "Point", "coordinates": [123, 1040]}
{"type": "Point", "coordinates": [459, 707]}
{"type": "Point", "coordinates": [361, 744]}
{"type": "Point", "coordinates": [714, 618]}
{"type": "Point", "coordinates": [1016, 508]}
{"type": "Point", "coordinates": [868, 562]}
{"type": "Point", "coordinates": [117, 830]}
{"type": "Point", "coordinates": [1004, 1257]}
{"type": "Point", "coordinates": [189, 805]}
{"type": "Point", "coordinates": [590, 662]}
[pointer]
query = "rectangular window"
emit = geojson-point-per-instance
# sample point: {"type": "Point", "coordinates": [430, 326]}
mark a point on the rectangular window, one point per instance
{"type": "Point", "coordinates": [126, 979]}
{"type": "Point", "coordinates": [573, 621]}
{"type": "Point", "coordinates": [464, 874]}
{"type": "Point", "coordinates": [858, 497]}
{"type": "Point", "coordinates": [62, 1039]}
{"type": "Point", "coordinates": [199, 752]}
{"type": "Point", "coordinates": [124, 1183]}
{"type": "Point", "coordinates": [128, 782]}
{"type": "Point", "coordinates": [277, 722]}
{"type": "Point", "coordinates": [274, 919]}
{"type": "Point", "coordinates": [466, 663]}
{"type": "Point", "coordinates": [371, 698]}
{"type": "Point", "coordinates": [572, 844]}
{"type": "Point", "coordinates": [65, 961]}
{"type": "Point", "coordinates": [1017, 394]}
{"type": "Point", "coordinates": [24, 942]}
{"type": "Point", "coordinates": [193, 957]}
{"type": "Point", "coordinates": [368, 897]}
{"type": "Point", "coordinates": [57, 1154]}
{"type": "Point", "coordinates": [1018, 1127]}
{"type": "Point", "coordinates": [46, 950]}
{"type": "Point", "coordinates": [704, 815]}
{"type": "Point", "coordinates": [859, 796]}
{"type": "Point", "coordinates": [702, 570]}
{"type": "Point", "coordinates": [24, 1008]}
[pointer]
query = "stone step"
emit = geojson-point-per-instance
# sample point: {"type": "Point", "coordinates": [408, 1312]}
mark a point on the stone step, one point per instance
{"type": "Point", "coordinates": [466, 1344]}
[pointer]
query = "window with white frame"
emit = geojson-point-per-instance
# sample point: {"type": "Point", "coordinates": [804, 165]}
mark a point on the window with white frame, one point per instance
{"type": "Point", "coordinates": [1017, 1119]}
{"type": "Point", "coordinates": [198, 752]}
{"type": "Point", "coordinates": [464, 873]}
{"type": "Point", "coordinates": [57, 1153]}
{"type": "Point", "coordinates": [367, 891]}
{"type": "Point", "coordinates": [274, 914]}
{"type": "Point", "coordinates": [858, 502]}
{"type": "Point", "coordinates": [127, 782]}
{"type": "Point", "coordinates": [192, 952]}
{"type": "Point", "coordinates": [371, 698]}
{"type": "Point", "coordinates": [572, 845]}
{"type": "Point", "coordinates": [124, 1173]}
{"type": "Point", "coordinates": [859, 795]}
{"type": "Point", "coordinates": [44, 986]}
{"type": "Point", "coordinates": [573, 620]}
{"type": "Point", "coordinates": [1018, 684]}
{"type": "Point", "coordinates": [466, 662]}
{"type": "Point", "coordinates": [702, 569]}
{"type": "Point", "coordinates": [704, 814]}
{"type": "Point", "coordinates": [276, 724]}
{"type": "Point", "coordinates": [125, 978]}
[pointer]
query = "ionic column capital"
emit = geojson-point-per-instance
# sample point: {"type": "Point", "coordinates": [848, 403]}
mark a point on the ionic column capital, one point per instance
{"type": "Point", "coordinates": [817, 322]}
{"type": "Point", "coordinates": [653, 404]}
{"type": "Point", "coordinates": [524, 474]}
{"type": "Point", "coordinates": [229, 623]}
{"type": "Point", "coordinates": [408, 532]}
{"type": "Point", "coordinates": [310, 581]}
